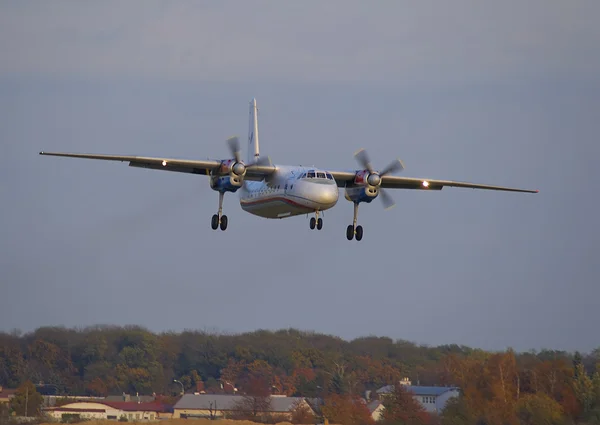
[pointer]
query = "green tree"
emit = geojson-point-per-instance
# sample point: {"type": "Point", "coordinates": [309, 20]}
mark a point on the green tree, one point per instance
{"type": "Point", "coordinates": [584, 389]}
{"type": "Point", "coordinates": [539, 409]}
{"type": "Point", "coordinates": [456, 412]}
{"type": "Point", "coordinates": [27, 401]}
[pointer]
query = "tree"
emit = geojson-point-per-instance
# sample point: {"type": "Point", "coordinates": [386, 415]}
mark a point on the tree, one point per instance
{"type": "Point", "coordinates": [400, 408]}
{"type": "Point", "coordinates": [456, 412]}
{"type": "Point", "coordinates": [539, 409]}
{"type": "Point", "coordinates": [346, 410]}
{"type": "Point", "coordinates": [584, 389]}
{"type": "Point", "coordinates": [27, 401]}
{"type": "Point", "coordinates": [256, 402]}
{"type": "Point", "coordinates": [301, 414]}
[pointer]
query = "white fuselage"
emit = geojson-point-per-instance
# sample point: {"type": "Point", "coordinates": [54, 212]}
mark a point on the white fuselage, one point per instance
{"type": "Point", "coordinates": [290, 191]}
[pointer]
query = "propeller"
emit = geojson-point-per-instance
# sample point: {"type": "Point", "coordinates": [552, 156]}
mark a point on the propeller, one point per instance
{"type": "Point", "coordinates": [234, 147]}
{"type": "Point", "coordinates": [374, 177]}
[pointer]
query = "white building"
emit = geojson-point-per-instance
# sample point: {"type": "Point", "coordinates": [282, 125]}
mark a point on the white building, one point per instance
{"type": "Point", "coordinates": [433, 399]}
{"type": "Point", "coordinates": [132, 411]}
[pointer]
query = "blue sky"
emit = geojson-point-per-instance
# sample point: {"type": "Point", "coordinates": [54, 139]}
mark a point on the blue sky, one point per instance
{"type": "Point", "coordinates": [500, 93]}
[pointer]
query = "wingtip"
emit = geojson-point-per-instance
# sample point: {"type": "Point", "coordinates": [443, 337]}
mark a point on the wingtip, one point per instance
{"type": "Point", "coordinates": [41, 152]}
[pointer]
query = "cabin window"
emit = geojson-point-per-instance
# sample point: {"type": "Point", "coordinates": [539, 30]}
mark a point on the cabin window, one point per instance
{"type": "Point", "coordinates": [311, 174]}
{"type": "Point", "coordinates": [321, 175]}
{"type": "Point", "coordinates": [329, 176]}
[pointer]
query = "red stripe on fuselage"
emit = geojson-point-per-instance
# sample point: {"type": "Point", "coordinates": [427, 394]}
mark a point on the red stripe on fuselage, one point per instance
{"type": "Point", "coordinates": [276, 198]}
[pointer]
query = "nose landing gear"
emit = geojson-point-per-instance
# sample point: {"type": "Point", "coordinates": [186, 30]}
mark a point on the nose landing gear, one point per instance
{"type": "Point", "coordinates": [316, 221]}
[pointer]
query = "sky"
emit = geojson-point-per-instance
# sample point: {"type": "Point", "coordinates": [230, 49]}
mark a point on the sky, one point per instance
{"type": "Point", "coordinates": [504, 93]}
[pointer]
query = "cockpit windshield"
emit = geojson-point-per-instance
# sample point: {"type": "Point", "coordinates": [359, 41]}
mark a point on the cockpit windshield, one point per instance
{"type": "Point", "coordinates": [312, 174]}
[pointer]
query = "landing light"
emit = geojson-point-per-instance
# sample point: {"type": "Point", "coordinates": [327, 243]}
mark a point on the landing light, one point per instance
{"type": "Point", "coordinates": [164, 163]}
{"type": "Point", "coordinates": [425, 184]}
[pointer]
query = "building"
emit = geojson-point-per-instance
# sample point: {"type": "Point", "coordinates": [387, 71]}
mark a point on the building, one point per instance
{"type": "Point", "coordinates": [114, 410]}
{"type": "Point", "coordinates": [226, 405]}
{"type": "Point", "coordinates": [376, 409]}
{"type": "Point", "coordinates": [433, 399]}
{"type": "Point", "coordinates": [129, 397]}
{"type": "Point", "coordinates": [6, 394]}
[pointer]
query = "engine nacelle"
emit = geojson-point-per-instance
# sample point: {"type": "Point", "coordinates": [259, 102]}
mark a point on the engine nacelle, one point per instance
{"type": "Point", "coordinates": [233, 168]}
{"type": "Point", "coordinates": [229, 183]}
{"type": "Point", "coordinates": [364, 187]}
{"type": "Point", "coordinates": [361, 193]}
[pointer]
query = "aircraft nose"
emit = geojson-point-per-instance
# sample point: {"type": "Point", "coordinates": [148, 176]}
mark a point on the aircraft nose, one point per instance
{"type": "Point", "coordinates": [328, 195]}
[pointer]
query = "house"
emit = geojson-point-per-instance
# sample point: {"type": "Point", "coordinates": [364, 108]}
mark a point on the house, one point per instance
{"type": "Point", "coordinates": [226, 405]}
{"type": "Point", "coordinates": [433, 399]}
{"type": "Point", "coordinates": [376, 409]}
{"type": "Point", "coordinates": [6, 394]}
{"type": "Point", "coordinates": [115, 410]}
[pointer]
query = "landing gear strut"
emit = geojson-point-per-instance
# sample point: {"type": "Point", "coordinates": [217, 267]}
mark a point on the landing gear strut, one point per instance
{"type": "Point", "coordinates": [316, 221]}
{"type": "Point", "coordinates": [353, 229]}
{"type": "Point", "coordinates": [219, 219]}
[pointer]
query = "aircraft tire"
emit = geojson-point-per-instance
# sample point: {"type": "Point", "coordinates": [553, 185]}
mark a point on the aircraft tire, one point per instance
{"type": "Point", "coordinates": [319, 223]}
{"type": "Point", "coordinates": [313, 222]}
{"type": "Point", "coordinates": [214, 223]}
{"type": "Point", "coordinates": [224, 222]}
{"type": "Point", "coordinates": [359, 233]}
{"type": "Point", "coordinates": [350, 232]}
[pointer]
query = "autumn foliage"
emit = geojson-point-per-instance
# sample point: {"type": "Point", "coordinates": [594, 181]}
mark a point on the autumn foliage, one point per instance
{"type": "Point", "coordinates": [347, 410]}
{"type": "Point", "coordinates": [498, 388]}
{"type": "Point", "coordinates": [401, 408]}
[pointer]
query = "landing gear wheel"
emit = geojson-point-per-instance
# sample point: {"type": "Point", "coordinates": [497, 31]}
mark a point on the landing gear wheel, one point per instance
{"type": "Point", "coordinates": [350, 232]}
{"type": "Point", "coordinates": [313, 222]}
{"type": "Point", "coordinates": [214, 223]}
{"type": "Point", "coordinates": [359, 233]}
{"type": "Point", "coordinates": [319, 223]}
{"type": "Point", "coordinates": [224, 222]}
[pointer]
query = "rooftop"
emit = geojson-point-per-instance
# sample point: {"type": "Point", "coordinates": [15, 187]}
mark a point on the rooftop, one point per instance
{"type": "Point", "coordinates": [418, 390]}
{"type": "Point", "coordinates": [228, 402]}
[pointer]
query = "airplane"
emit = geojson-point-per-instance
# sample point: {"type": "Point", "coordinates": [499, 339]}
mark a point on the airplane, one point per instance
{"type": "Point", "coordinates": [282, 191]}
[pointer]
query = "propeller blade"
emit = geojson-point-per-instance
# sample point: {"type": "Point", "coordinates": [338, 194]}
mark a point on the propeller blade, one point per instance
{"type": "Point", "coordinates": [363, 159]}
{"type": "Point", "coordinates": [388, 201]}
{"type": "Point", "coordinates": [394, 166]}
{"type": "Point", "coordinates": [234, 148]}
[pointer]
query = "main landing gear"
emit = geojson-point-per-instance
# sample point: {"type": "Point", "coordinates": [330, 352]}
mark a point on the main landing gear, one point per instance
{"type": "Point", "coordinates": [353, 229]}
{"type": "Point", "coordinates": [219, 219]}
{"type": "Point", "coordinates": [316, 221]}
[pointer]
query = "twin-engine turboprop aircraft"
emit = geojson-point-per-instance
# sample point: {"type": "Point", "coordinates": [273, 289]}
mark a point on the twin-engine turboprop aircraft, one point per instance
{"type": "Point", "coordinates": [279, 191]}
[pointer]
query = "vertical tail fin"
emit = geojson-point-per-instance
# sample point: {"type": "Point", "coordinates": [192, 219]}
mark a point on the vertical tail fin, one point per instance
{"type": "Point", "coordinates": [253, 150]}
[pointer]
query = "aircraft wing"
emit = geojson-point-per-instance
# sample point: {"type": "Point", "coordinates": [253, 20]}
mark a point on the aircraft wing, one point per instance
{"type": "Point", "coordinates": [205, 167]}
{"type": "Point", "coordinates": [397, 182]}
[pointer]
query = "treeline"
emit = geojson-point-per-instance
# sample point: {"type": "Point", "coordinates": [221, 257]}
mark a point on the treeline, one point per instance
{"type": "Point", "coordinates": [497, 387]}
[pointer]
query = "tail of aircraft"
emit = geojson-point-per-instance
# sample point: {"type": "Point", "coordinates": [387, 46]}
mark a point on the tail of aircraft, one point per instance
{"type": "Point", "coordinates": [253, 150]}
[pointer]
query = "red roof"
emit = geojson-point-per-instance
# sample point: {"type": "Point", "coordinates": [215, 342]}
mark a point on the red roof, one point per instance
{"type": "Point", "coordinates": [72, 409]}
{"type": "Point", "coordinates": [7, 392]}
